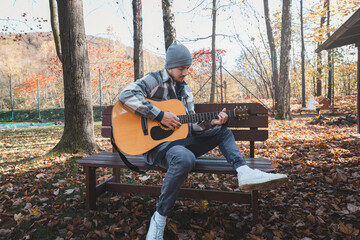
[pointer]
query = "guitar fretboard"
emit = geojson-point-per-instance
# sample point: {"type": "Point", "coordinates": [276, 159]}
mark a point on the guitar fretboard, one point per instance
{"type": "Point", "coordinates": [198, 117]}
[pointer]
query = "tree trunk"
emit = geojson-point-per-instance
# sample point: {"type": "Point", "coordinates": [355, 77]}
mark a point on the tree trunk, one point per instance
{"type": "Point", "coordinates": [330, 83]}
{"type": "Point", "coordinates": [138, 40]}
{"type": "Point", "coordinates": [303, 93]}
{"type": "Point", "coordinates": [169, 23]}
{"type": "Point", "coordinates": [78, 135]}
{"type": "Point", "coordinates": [314, 86]}
{"type": "Point", "coordinates": [213, 54]}
{"type": "Point", "coordinates": [319, 60]}
{"type": "Point", "coordinates": [318, 75]}
{"type": "Point", "coordinates": [330, 77]}
{"type": "Point", "coordinates": [55, 27]}
{"type": "Point", "coordinates": [284, 97]}
{"type": "Point", "coordinates": [273, 53]}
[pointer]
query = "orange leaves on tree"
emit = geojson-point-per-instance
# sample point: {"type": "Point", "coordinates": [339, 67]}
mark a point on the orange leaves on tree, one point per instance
{"type": "Point", "coordinates": [101, 52]}
{"type": "Point", "coordinates": [31, 84]}
{"type": "Point", "coordinates": [203, 59]}
{"type": "Point", "coordinates": [113, 67]}
{"type": "Point", "coordinates": [119, 70]}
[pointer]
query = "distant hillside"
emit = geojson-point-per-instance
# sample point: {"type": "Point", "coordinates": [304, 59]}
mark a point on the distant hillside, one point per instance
{"type": "Point", "coordinates": [26, 56]}
{"type": "Point", "coordinates": [28, 42]}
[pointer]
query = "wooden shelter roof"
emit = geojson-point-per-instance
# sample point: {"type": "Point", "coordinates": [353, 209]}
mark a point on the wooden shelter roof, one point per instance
{"type": "Point", "coordinates": [348, 33]}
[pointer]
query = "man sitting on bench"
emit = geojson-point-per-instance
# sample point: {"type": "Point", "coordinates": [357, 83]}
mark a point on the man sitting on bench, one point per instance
{"type": "Point", "coordinates": [169, 83]}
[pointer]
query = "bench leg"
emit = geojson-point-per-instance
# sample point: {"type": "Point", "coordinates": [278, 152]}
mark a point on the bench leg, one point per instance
{"type": "Point", "coordinates": [252, 149]}
{"type": "Point", "coordinates": [116, 174]}
{"type": "Point", "coordinates": [255, 206]}
{"type": "Point", "coordinates": [90, 187]}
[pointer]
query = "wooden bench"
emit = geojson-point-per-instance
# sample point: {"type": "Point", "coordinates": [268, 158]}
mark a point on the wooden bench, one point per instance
{"type": "Point", "coordinates": [252, 129]}
{"type": "Point", "coordinates": [325, 104]}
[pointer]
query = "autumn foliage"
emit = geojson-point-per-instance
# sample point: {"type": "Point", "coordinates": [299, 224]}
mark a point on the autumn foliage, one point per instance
{"type": "Point", "coordinates": [201, 71]}
{"type": "Point", "coordinates": [202, 59]}
{"type": "Point", "coordinates": [110, 63]}
{"type": "Point", "coordinates": [38, 84]}
{"type": "Point", "coordinates": [111, 68]}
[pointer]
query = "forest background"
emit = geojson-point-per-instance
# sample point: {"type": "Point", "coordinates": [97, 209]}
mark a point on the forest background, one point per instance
{"type": "Point", "coordinates": [30, 65]}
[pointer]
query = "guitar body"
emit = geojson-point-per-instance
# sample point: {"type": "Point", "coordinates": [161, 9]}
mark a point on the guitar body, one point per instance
{"type": "Point", "coordinates": [128, 131]}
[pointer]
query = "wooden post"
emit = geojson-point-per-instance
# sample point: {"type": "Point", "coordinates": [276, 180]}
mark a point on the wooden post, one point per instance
{"type": "Point", "coordinates": [252, 145]}
{"type": "Point", "coordinates": [116, 174]}
{"type": "Point", "coordinates": [252, 149]}
{"type": "Point", "coordinates": [255, 206]}
{"type": "Point", "coordinates": [358, 87]}
{"type": "Point", "coordinates": [90, 187]}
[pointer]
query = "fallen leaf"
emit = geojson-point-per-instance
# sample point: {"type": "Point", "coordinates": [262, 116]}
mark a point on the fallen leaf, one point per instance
{"type": "Point", "coordinates": [28, 206]}
{"type": "Point", "coordinates": [68, 191]}
{"type": "Point", "coordinates": [141, 230]}
{"type": "Point", "coordinates": [346, 228]}
{"type": "Point", "coordinates": [56, 192]}
{"type": "Point", "coordinates": [40, 175]}
{"type": "Point", "coordinates": [352, 208]}
{"type": "Point", "coordinates": [172, 226]}
{"type": "Point", "coordinates": [144, 178]}
{"type": "Point", "coordinates": [101, 233]}
{"type": "Point", "coordinates": [18, 217]}
{"type": "Point", "coordinates": [195, 226]}
{"type": "Point", "coordinates": [35, 211]}
{"type": "Point", "coordinates": [4, 232]}
{"type": "Point", "coordinates": [69, 234]}
{"type": "Point", "coordinates": [17, 202]}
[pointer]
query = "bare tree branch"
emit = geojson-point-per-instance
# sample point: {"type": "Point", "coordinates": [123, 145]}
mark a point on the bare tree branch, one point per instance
{"type": "Point", "coordinates": [55, 27]}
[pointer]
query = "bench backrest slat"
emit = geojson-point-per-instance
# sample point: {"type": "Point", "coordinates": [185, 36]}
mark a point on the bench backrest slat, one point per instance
{"type": "Point", "coordinates": [254, 108]}
{"type": "Point", "coordinates": [250, 135]}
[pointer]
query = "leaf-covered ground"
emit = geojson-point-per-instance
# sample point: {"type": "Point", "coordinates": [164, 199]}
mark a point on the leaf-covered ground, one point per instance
{"type": "Point", "coordinates": [43, 198]}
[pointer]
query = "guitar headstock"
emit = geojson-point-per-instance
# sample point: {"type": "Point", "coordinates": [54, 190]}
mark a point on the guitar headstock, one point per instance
{"type": "Point", "coordinates": [241, 112]}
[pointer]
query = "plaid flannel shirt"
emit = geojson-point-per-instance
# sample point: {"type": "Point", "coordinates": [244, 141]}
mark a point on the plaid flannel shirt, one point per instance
{"type": "Point", "coordinates": [159, 88]}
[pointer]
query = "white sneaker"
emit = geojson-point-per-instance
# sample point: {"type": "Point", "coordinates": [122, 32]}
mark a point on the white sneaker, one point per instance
{"type": "Point", "coordinates": [156, 228]}
{"type": "Point", "coordinates": [254, 179]}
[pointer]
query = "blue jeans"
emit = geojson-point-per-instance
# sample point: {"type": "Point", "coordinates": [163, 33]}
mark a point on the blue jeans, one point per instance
{"type": "Point", "coordinates": [179, 161]}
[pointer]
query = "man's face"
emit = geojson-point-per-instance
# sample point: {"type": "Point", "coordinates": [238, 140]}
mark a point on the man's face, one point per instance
{"type": "Point", "coordinates": [179, 73]}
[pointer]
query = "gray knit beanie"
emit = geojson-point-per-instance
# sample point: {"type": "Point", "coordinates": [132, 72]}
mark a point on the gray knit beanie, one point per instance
{"type": "Point", "coordinates": [177, 55]}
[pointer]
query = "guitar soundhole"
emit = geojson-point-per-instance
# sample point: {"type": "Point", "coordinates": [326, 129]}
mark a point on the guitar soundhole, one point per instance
{"type": "Point", "coordinates": [159, 133]}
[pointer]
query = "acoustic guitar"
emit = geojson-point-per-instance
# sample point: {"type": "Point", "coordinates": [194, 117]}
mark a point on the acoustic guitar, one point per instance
{"type": "Point", "coordinates": [136, 135]}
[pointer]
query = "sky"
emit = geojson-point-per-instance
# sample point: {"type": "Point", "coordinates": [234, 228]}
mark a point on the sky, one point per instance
{"type": "Point", "coordinates": [192, 20]}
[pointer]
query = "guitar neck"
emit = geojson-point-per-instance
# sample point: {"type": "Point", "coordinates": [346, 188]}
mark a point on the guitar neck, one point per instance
{"type": "Point", "coordinates": [199, 117]}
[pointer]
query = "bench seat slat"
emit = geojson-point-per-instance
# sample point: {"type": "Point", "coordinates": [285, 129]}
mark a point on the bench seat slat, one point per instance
{"type": "Point", "coordinates": [203, 164]}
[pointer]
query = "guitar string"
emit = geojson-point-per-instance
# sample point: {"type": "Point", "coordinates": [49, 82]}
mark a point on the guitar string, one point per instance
{"type": "Point", "coordinates": [203, 116]}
